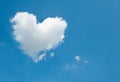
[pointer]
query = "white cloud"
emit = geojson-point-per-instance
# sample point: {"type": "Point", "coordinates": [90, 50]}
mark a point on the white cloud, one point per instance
{"type": "Point", "coordinates": [52, 54]}
{"type": "Point", "coordinates": [37, 37]}
{"type": "Point", "coordinates": [77, 58]}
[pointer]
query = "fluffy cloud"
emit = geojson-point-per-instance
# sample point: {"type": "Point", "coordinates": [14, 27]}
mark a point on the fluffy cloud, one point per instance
{"type": "Point", "coordinates": [36, 38]}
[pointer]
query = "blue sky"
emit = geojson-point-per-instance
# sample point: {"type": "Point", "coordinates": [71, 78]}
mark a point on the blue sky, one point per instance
{"type": "Point", "coordinates": [93, 33]}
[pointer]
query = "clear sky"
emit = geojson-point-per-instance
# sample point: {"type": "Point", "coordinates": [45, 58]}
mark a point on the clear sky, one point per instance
{"type": "Point", "coordinates": [90, 51]}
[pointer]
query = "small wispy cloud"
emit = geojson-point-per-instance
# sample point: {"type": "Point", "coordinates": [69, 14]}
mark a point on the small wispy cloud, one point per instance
{"type": "Point", "coordinates": [40, 57]}
{"type": "Point", "coordinates": [85, 62]}
{"type": "Point", "coordinates": [67, 66]}
{"type": "Point", "coordinates": [77, 58]}
{"type": "Point", "coordinates": [75, 66]}
{"type": "Point", "coordinates": [71, 66]}
{"type": "Point", "coordinates": [76, 63]}
{"type": "Point", "coordinates": [52, 54]}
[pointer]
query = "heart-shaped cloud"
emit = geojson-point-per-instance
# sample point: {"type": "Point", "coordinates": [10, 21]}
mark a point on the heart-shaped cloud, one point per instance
{"type": "Point", "coordinates": [35, 38]}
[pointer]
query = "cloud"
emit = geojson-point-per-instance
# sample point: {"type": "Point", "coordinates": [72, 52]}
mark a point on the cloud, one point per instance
{"type": "Point", "coordinates": [52, 54]}
{"type": "Point", "coordinates": [76, 63]}
{"type": "Point", "coordinates": [37, 38]}
{"type": "Point", "coordinates": [40, 57]}
{"type": "Point", "coordinates": [85, 62]}
{"type": "Point", "coordinates": [72, 66]}
{"type": "Point", "coordinates": [77, 58]}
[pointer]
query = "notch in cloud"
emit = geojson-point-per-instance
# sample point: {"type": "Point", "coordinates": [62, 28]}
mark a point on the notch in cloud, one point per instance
{"type": "Point", "coordinates": [36, 38]}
